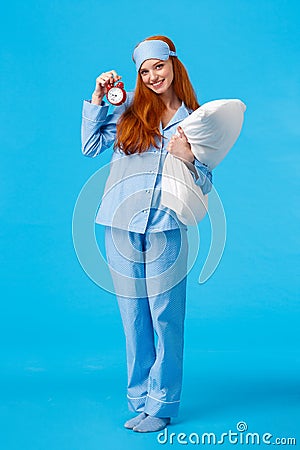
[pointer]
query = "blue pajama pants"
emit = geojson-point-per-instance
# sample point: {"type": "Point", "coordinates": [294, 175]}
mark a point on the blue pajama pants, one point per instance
{"type": "Point", "coordinates": [149, 276]}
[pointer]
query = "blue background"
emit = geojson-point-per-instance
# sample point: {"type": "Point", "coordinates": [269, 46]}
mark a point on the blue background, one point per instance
{"type": "Point", "coordinates": [63, 369]}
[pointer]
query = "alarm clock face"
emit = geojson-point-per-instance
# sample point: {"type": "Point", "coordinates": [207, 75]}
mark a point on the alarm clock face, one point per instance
{"type": "Point", "coordinates": [115, 95]}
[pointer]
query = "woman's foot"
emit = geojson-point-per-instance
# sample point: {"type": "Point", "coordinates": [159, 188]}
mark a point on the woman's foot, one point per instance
{"type": "Point", "coordinates": [150, 424]}
{"type": "Point", "coordinates": [130, 424]}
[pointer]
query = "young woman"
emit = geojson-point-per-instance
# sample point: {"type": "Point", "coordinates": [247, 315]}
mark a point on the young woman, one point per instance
{"type": "Point", "coordinates": [146, 244]}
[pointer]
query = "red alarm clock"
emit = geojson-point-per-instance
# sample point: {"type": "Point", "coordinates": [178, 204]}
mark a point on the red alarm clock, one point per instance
{"type": "Point", "coordinates": [116, 95]}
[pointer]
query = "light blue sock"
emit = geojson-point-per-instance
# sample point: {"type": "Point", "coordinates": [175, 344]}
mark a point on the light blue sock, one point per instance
{"type": "Point", "coordinates": [150, 424]}
{"type": "Point", "coordinates": [130, 424]}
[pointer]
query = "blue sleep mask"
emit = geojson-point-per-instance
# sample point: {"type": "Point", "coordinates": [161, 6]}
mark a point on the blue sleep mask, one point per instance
{"type": "Point", "coordinates": [151, 50]}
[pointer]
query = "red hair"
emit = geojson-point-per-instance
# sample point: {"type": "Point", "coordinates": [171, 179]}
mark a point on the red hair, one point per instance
{"type": "Point", "coordinates": [138, 127]}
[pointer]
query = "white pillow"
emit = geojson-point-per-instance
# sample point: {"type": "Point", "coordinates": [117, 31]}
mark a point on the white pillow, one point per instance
{"type": "Point", "coordinates": [213, 129]}
{"type": "Point", "coordinates": [180, 193]}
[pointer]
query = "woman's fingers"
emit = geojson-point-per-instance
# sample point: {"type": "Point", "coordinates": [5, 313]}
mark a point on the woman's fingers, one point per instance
{"type": "Point", "coordinates": [109, 77]}
{"type": "Point", "coordinates": [180, 147]}
{"type": "Point", "coordinates": [114, 75]}
{"type": "Point", "coordinates": [182, 134]}
{"type": "Point", "coordinates": [104, 79]}
{"type": "Point", "coordinates": [172, 142]}
{"type": "Point", "coordinates": [175, 140]}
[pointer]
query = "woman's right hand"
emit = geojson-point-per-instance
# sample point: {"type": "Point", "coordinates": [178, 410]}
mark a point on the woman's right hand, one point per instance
{"type": "Point", "coordinates": [102, 82]}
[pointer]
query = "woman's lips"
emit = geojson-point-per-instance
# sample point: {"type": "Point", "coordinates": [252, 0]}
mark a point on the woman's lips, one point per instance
{"type": "Point", "coordinates": [158, 84]}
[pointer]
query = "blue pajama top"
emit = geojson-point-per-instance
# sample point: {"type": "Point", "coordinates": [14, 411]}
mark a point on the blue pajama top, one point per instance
{"type": "Point", "coordinates": [131, 199]}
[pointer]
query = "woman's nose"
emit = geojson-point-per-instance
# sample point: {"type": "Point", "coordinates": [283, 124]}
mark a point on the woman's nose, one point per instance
{"type": "Point", "coordinates": [153, 76]}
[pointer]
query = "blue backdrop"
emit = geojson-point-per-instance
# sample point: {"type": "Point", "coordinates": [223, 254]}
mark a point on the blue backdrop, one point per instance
{"type": "Point", "coordinates": [63, 369]}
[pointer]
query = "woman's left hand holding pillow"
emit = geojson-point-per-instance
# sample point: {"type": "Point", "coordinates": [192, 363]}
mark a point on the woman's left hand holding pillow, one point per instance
{"type": "Point", "coordinates": [179, 146]}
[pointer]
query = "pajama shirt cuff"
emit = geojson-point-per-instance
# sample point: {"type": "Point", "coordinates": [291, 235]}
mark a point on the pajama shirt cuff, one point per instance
{"type": "Point", "coordinates": [204, 174]}
{"type": "Point", "coordinates": [94, 113]}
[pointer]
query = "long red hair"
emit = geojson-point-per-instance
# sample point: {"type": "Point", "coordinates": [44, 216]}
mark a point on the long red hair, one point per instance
{"type": "Point", "coordinates": [138, 127]}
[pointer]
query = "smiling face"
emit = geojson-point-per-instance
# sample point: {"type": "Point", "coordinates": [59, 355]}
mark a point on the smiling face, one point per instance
{"type": "Point", "coordinates": [157, 75]}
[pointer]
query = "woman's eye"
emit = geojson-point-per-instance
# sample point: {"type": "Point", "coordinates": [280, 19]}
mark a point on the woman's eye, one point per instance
{"type": "Point", "coordinates": [159, 66]}
{"type": "Point", "coordinates": [143, 72]}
